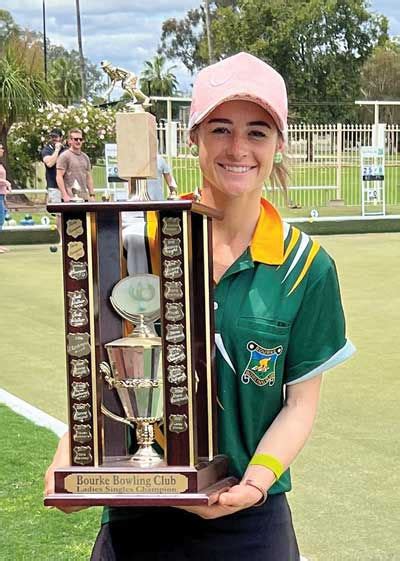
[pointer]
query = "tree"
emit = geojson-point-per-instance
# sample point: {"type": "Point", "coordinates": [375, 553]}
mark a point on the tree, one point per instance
{"type": "Point", "coordinates": [380, 79]}
{"type": "Point", "coordinates": [65, 80]}
{"type": "Point", "coordinates": [158, 80]}
{"type": "Point", "coordinates": [22, 85]}
{"type": "Point", "coordinates": [190, 39]}
{"type": "Point", "coordinates": [93, 76]}
{"type": "Point", "coordinates": [318, 46]}
{"type": "Point", "coordinates": [182, 39]}
{"type": "Point", "coordinates": [8, 27]}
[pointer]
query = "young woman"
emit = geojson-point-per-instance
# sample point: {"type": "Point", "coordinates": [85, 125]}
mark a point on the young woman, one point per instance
{"type": "Point", "coordinates": [5, 187]}
{"type": "Point", "coordinates": [279, 326]}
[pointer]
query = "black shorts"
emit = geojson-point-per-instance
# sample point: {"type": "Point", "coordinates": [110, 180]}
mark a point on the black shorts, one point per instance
{"type": "Point", "coordinates": [166, 534]}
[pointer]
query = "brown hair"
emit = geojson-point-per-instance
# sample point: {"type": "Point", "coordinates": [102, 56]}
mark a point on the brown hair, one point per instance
{"type": "Point", "coordinates": [74, 130]}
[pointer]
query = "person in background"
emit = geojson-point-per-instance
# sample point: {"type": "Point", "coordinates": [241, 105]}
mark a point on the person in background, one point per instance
{"type": "Point", "coordinates": [74, 174]}
{"type": "Point", "coordinates": [5, 187]}
{"type": "Point", "coordinates": [155, 186]}
{"type": "Point", "coordinates": [50, 153]}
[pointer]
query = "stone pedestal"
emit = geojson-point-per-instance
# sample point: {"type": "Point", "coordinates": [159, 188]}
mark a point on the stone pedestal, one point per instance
{"type": "Point", "coordinates": [137, 145]}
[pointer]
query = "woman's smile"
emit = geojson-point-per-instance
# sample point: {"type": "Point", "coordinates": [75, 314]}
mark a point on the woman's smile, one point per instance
{"type": "Point", "coordinates": [236, 169]}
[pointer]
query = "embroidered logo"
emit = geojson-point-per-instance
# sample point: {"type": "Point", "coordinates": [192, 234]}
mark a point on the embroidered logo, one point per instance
{"type": "Point", "coordinates": [261, 366]}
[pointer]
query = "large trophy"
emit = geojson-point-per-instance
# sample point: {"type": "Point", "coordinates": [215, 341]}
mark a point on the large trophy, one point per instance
{"type": "Point", "coordinates": [140, 349]}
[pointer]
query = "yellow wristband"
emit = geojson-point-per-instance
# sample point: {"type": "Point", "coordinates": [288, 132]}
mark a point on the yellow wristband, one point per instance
{"type": "Point", "coordinates": [268, 462]}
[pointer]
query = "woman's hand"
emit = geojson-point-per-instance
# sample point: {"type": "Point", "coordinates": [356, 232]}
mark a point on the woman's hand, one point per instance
{"type": "Point", "coordinates": [237, 498]}
{"type": "Point", "coordinates": [61, 459]}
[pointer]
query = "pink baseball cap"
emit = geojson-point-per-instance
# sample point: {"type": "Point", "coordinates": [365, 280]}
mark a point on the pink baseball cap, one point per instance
{"type": "Point", "coordinates": [242, 76]}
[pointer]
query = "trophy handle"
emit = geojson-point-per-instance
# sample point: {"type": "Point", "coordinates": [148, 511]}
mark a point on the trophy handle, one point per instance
{"type": "Point", "coordinates": [114, 416]}
{"type": "Point", "coordinates": [105, 370]}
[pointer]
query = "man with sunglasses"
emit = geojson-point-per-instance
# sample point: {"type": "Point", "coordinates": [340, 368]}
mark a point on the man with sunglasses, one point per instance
{"type": "Point", "coordinates": [74, 174]}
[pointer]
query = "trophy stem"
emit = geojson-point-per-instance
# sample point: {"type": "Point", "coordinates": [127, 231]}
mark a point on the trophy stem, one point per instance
{"type": "Point", "coordinates": [138, 189]}
{"type": "Point", "coordinates": [145, 455]}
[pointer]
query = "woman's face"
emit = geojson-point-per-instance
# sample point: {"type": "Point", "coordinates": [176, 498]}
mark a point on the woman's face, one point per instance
{"type": "Point", "coordinates": [237, 143]}
{"type": "Point", "coordinates": [1, 150]}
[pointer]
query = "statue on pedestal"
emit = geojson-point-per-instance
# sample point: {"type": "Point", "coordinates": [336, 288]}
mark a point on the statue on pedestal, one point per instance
{"type": "Point", "coordinates": [138, 100]}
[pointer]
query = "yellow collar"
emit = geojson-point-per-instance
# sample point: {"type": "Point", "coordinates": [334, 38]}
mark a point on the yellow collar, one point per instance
{"type": "Point", "coordinates": [267, 245]}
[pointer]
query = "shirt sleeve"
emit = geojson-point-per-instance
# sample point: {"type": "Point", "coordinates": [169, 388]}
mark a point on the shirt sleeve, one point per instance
{"type": "Point", "coordinates": [47, 151]}
{"type": "Point", "coordinates": [5, 183]}
{"type": "Point", "coordinates": [164, 166]}
{"type": "Point", "coordinates": [3, 178]}
{"type": "Point", "coordinates": [61, 162]}
{"type": "Point", "coordinates": [318, 337]}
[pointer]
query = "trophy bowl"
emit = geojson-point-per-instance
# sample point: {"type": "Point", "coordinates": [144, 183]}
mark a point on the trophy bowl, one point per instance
{"type": "Point", "coordinates": [135, 372]}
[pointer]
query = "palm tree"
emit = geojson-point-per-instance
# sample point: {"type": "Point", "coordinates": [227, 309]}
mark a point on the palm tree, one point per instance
{"type": "Point", "coordinates": [22, 83]}
{"type": "Point", "coordinates": [157, 80]}
{"type": "Point", "coordinates": [65, 80]}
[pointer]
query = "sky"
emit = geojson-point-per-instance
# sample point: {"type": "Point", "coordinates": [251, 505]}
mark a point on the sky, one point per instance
{"type": "Point", "coordinates": [128, 34]}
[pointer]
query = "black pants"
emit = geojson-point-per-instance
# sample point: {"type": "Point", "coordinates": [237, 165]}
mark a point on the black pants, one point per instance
{"type": "Point", "coordinates": [167, 534]}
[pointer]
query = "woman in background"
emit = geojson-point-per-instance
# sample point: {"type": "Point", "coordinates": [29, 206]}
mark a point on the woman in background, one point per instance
{"type": "Point", "coordinates": [5, 187]}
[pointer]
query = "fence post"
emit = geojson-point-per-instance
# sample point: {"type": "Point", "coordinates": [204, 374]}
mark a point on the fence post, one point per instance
{"type": "Point", "coordinates": [339, 161]}
{"type": "Point", "coordinates": [169, 132]}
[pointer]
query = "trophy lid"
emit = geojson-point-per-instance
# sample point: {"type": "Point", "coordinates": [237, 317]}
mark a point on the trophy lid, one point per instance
{"type": "Point", "coordinates": [137, 296]}
{"type": "Point", "coordinates": [144, 342]}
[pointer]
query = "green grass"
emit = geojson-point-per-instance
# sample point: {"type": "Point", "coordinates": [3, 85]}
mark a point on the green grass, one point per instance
{"type": "Point", "coordinates": [27, 529]}
{"type": "Point", "coordinates": [32, 327]}
{"type": "Point", "coordinates": [346, 481]}
{"type": "Point", "coordinates": [345, 499]}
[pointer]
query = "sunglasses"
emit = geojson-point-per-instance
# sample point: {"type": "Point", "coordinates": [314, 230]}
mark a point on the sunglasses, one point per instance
{"type": "Point", "coordinates": [77, 139]}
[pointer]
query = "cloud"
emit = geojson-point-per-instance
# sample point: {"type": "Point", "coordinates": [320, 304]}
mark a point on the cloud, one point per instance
{"type": "Point", "coordinates": [126, 32]}
{"type": "Point", "coordinates": [127, 35]}
{"type": "Point", "coordinates": [390, 9]}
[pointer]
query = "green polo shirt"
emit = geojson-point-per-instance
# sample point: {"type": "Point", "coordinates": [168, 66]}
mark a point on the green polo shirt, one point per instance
{"type": "Point", "coordinates": [278, 321]}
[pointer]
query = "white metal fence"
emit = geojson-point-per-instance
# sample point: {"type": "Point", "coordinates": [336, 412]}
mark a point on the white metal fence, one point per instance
{"type": "Point", "coordinates": [324, 162]}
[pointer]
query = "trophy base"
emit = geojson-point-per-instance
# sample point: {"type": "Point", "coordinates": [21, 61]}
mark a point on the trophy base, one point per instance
{"type": "Point", "coordinates": [116, 483]}
{"type": "Point", "coordinates": [207, 496]}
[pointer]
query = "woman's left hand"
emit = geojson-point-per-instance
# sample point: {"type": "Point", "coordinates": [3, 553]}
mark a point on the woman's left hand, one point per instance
{"type": "Point", "coordinates": [236, 498]}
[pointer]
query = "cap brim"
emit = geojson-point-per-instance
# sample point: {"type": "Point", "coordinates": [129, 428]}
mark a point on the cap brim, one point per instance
{"type": "Point", "coordinates": [240, 97]}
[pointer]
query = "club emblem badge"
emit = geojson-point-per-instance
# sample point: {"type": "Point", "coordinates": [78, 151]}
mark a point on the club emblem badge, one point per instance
{"type": "Point", "coordinates": [262, 364]}
{"type": "Point", "coordinates": [75, 250]}
{"type": "Point", "coordinates": [171, 226]}
{"type": "Point", "coordinates": [74, 227]}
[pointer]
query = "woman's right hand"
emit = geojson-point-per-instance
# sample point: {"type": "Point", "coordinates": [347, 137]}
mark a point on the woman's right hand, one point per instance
{"type": "Point", "coordinates": [61, 459]}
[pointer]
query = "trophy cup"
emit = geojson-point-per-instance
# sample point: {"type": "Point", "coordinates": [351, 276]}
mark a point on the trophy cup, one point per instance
{"type": "Point", "coordinates": [135, 369]}
{"type": "Point", "coordinates": [142, 405]}
{"type": "Point", "coordinates": [76, 191]}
